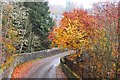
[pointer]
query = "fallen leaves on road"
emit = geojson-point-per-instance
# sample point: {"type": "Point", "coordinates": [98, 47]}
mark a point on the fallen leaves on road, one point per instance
{"type": "Point", "coordinates": [21, 70]}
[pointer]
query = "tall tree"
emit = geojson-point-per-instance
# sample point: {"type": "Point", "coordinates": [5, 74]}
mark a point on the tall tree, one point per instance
{"type": "Point", "coordinates": [76, 28]}
{"type": "Point", "coordinates": [107, 15]}
{"type": "Point", "coordinates": [83, 32]}
{"type": "Point", "coordinates": [9, 33]}
{"type": "Point", "coordinates": [41, 22]}
{"type": "Point", "coordinates": [20, 22]}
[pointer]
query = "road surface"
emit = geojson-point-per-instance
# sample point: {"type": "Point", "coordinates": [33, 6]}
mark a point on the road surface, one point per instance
{"type": "Point", "coordinates": [46, 68]}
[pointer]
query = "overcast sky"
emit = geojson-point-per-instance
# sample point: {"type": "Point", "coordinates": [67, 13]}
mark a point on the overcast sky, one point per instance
{"type": "Point", "coordinates": [85, 3]}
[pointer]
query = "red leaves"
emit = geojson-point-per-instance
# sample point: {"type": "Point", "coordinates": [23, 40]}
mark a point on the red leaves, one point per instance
{"type": "Point", "coordinates": [73, 27]}
{"type": "Point", "coordinates": [21, 70]}
{"type": "Point", "coordinates": [106, 13]}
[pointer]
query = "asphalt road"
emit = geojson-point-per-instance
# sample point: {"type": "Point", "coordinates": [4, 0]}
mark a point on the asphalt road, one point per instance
{"type": "Point", "coordinates": [46, 68]}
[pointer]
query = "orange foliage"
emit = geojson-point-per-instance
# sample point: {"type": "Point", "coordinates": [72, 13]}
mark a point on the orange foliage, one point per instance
{"type": "Point", "coordinates": [75, 30]}
{"type": "Point", "coordinates": [21, 70]}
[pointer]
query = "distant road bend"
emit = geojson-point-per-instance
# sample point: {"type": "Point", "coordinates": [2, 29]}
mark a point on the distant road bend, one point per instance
{"type": "Point", "coordinates": [46, 68]}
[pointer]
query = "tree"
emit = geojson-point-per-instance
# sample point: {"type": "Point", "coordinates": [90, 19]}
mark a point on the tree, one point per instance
{"type": "Point", "coordinates": [77, 28]}
{"type": "Point", "coordinates": [82, 32]}
{"type": "Point", "coordinates": [41, 22]}
{"type": "Point", "coordinates": [20, 22]}
{"type": "Point", "coordinates": [13, 17]}
{"type": "Point", "coordinates": [9, 33]}
{"type": "Point", "coordinates": [107, 17]}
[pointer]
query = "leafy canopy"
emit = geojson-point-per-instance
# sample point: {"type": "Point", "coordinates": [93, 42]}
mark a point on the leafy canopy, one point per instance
{"type": "Point", "coordinates": [75, 30]}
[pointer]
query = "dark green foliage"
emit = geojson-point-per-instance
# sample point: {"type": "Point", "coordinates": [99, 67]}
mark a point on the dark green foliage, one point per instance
{"type": "Point", "coordinates": [40, 20]}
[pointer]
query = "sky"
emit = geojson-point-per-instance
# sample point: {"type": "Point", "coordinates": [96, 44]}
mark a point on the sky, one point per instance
{"type": "Point", "coordinates": [85, 3]}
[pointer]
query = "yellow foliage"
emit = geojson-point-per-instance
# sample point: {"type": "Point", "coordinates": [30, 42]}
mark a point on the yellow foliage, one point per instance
{"type": "Point", "coordinates": [10, 47]}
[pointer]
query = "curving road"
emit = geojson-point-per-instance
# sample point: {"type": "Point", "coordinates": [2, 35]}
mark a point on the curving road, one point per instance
{"type": "Point", "coordinates": [46, 68]}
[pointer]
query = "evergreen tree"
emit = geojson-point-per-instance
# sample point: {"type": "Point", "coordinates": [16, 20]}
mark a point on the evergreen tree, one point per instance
{"type": "Point", "coordinates": [41, 22]}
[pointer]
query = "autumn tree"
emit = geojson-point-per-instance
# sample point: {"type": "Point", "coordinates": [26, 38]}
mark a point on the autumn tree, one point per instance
{"type": "Point", "coordinates": [75, 31]}
{"type": "Point", "coordinates": [13, 21]}
{"type": "Point", "coordinates": [107, 18]}
{"type": "Point", "coordinates": [81, 31]}
{"type": "Point", "coordinates": [20, 21]}
{"type": "Point", "coordinates": [9, 33]}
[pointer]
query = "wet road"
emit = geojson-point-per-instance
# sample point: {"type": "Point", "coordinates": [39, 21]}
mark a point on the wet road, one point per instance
{"type": "Point", "coordinates": [46, 68]}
